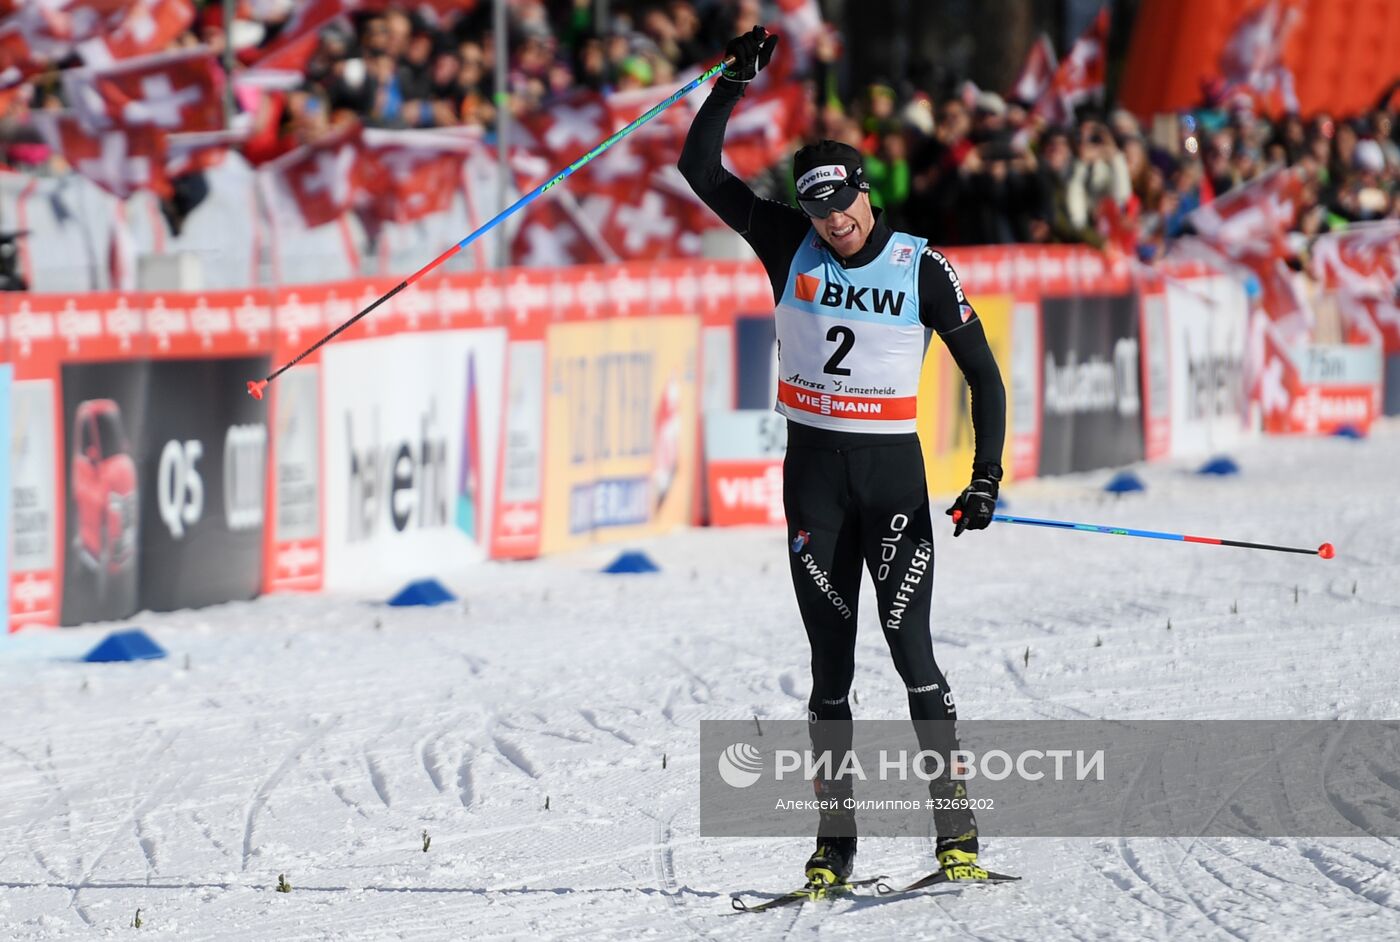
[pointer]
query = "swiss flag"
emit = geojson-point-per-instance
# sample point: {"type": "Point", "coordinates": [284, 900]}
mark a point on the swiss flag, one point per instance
{"type": "Point", "coordinates": [1279, 384]}
{"type": "Point", "coordinates": [549, 238]}
{"type": "Point", "coordinates": [571, 128]}
{"type": "Point", "coordinates": [309, 17]}
{"type": "Point", "coordinates": [412, 174]}
{"type": "Point", "coordinates": [147, 26]}
{"type": "Point", "coordinates": [1037, 72]}
{"type": "Point", "coordinates": [175, 92]}
{"type": "Point", "coordinates": [320, 180]}
{"type": "Point", "coordinates": [1080, 77]}
{"type": "Point", "coordinates": [120, 160]}
{"type": "Point", "coordinates": [763, 127]}
{"type": "Point", "coordinates": [646, 228]}
{"type": "Point", "coordinates": [1360, 266]}
{"type": "Point", "coordinates": [1257, 213]}
{"type": "Point", "coordinates": [187, 153]}
{"type": "Point", "coordinates": [1252, 60]}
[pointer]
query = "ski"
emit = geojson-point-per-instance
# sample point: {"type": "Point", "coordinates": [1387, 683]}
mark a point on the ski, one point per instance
{"type": "Point", "coordinates": [803, 894]}
{"type": "Point", "coordinates": [940, 878]}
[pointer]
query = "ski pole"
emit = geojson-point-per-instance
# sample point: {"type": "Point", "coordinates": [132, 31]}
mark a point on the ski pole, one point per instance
{"type": "Point", "coordinates": [257, 386]}
{"type": "Point", "coordinates": [1326, 550]}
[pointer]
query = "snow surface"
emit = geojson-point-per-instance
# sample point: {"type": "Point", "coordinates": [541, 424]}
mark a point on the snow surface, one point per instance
{"type": "Point", "coordinates": [318, 737]}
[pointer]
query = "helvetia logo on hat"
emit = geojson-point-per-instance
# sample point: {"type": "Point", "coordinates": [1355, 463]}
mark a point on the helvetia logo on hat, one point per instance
{"type": "Point", "coordinates": [820, 174]}
{"type": "Point", "coordinates": [740, 765]}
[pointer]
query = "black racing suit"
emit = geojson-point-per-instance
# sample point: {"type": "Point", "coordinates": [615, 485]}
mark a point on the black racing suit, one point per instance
{"type": "Point", "coordinates": [859, 497]}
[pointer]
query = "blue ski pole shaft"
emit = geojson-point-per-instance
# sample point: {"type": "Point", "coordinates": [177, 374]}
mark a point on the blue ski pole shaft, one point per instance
{"type": "Point", "coordinates": [1326, 550]}
{"type": "Point", "coordinates": [257, 387]}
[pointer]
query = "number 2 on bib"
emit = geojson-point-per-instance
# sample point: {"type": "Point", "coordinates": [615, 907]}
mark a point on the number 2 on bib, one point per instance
{"type": "Point", "coordinates": [845, 339]}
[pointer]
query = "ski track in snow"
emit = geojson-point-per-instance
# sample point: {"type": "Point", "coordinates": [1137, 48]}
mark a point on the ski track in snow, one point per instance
{"type": "Point", "coordinates": [320, 736]}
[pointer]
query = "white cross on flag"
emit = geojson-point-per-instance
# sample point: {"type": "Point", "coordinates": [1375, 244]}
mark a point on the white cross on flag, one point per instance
{"type": "Point", "coordinates": [571, 128]}
{"type": "Point", "coordinates": [1080, 77]}
{"type": "Point", "coordinates": [1036, 72]}
{"type": "Point", "coordinates": [148, 26]}
{"type": "Point", "coordinates": [174, 92]}
{"type": "Point", "coordinates": [319, 181]}
{"type": "Point", "coordinates": [120, 160]}
{"type": "Point", "coordinates": [412, 174]}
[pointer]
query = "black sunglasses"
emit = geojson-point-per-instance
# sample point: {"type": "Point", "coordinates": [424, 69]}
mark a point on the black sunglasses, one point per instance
{"type": "Point", "coordinates": [841, 199]}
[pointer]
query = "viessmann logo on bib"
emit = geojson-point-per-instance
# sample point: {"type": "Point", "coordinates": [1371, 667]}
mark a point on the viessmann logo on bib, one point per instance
{"type": "Point", "coordinates": [819, 175]}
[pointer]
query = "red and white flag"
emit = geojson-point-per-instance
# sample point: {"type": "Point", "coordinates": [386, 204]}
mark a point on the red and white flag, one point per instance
{"type": "Point", "coordinates": [567, 130]}
{"type": "Point", "coordinates": [763, 128]}
{"type": "Point", "coordinates": [148, 26]}
{"type": "Point", "coordinates": [318, 182]}
{"type": "Point", "coordinates": [176, 92]}
{"type": "Point", "coordinates": [310, 16]}
{"type": "Point", "coordinates": [1252, 60]}
{"type": "Point", "coordinates": [1360, 266]}
{"type": "Point", "coordinates": [187, 153]}
{"type": "Point", "coordinates": [1080, 77]}
{"type": "Point", "coordinates": [1037, 72]}
{"type": "Point", "coordinates": [119, 160]}
{"type": "Point", "coordinates": [412, 174]}
{"type": "Point", "coordinates": [1252, 218]}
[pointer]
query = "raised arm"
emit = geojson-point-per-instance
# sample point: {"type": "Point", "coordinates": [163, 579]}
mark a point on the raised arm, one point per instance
{"type": "Point", "coordinates": [773, 229]}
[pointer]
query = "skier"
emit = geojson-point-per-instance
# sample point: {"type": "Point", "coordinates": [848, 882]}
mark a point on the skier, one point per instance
{"type": "Point", "coordinates": [854, 300]}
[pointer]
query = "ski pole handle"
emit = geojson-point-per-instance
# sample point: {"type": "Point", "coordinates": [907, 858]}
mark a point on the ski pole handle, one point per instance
{"type": "Point", "coordinates": [1326, 550]}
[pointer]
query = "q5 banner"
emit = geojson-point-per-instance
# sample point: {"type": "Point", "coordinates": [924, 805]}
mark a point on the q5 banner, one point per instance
{"type": "Point", "coordinates": [164, 474]}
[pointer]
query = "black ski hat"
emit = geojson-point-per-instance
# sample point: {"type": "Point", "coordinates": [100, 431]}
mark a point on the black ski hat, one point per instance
{"type": "Point", "coordinates": [829, 176]}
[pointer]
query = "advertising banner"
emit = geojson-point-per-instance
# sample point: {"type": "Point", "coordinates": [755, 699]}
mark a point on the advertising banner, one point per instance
{"type": "Point", "coordinates": [203, 476]}
{"type": "Point", "coordinates": [1319, 388]}
{"type": "Point", "coordinates": [164, 471]}
{"type": "Point", "coordinates": [756, 353]}
{"type": "Point", "coordinates": [744, 467]}
{"type": "Point", "coordinates": [516, 534]}
{"type": "Point", "coordinates": [411, 422]}
{"type": "Point", "coordinates": [1157, 361]}
{"type": "Point", "coordinates": [105, 409]}
{"type": "Point", "coordinates": [620, 406]}
{"type": "Point", "coordinates": [1021, 374]}
{"type": "Point", "coordinates": [945, 415]}
{"type": "Point", "coordinates": [33, 500]}
{"type": "Point", "coordinates": [6, 373]}
{"type": "Point", "coordinates": [1090, 402]}
{"type": "Point", "coordinates": [295, 535]}
{"type": "Point", "coordinates": [1208, 320]}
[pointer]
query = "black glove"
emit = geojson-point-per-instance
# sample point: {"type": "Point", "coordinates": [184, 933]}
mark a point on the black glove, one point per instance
{"type": "Point", "coordinates": [750, 52]}
{"type": "Point", "coordinates": [978, 501]}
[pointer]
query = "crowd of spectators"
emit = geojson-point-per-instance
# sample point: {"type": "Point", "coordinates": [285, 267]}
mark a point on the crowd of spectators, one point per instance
{"type": "Point", "coordinates": [975, 168]}
{"type": "Point", "coordinates": [954, 164]}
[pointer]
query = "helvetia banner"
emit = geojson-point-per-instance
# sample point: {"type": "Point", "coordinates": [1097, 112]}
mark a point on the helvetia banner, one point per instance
{"type": "Point", "coordinates": [411, 426]}
{"type": "Point", "coordinates": [1091, 408]}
